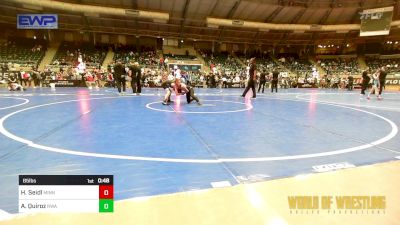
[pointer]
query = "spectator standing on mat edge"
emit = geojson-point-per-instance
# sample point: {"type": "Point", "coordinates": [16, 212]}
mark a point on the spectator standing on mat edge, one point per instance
{"type": "Point", "coordinates": [274, 81]}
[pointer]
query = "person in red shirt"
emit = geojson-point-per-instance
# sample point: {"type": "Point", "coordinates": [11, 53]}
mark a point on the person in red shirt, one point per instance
{"type": "Point", "coordinates": [110, 80]}
{"type": "Point", "coordinates": [26, 77]}
{"type": "Point", "coordinates": [90, 80]}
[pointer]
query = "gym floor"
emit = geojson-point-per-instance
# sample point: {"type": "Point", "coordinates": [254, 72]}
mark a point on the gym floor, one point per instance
{"type": "Point", "coordinates": [152, 149]}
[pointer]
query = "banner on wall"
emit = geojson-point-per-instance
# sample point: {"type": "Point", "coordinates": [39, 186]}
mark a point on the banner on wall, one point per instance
{"type": "Point", "coordinates": [185, 67]}
{"type": "Point", "coordinates": [392, 81]}
{"type": "Point", "coordinates": [37, 21]}
{"type": "Point", "coordinates": [58, 83]}
{"type": "Point", "coordinates": [68, 83]}
{"type": "Point", "coordinates": [5, 74]}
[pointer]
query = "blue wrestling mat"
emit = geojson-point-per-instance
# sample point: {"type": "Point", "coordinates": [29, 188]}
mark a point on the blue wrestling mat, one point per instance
{"type": "Point", "coordinates": [154, 149]}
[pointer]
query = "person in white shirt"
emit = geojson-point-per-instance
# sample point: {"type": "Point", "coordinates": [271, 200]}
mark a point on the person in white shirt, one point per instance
{"type": "Point", "coordinates": [178, 74]}
{"type": "Point", "coordinates": [15, 87]}
{"type": "Point", "coordinates": [171, 77]}
{"type": "Point", "coordinates": [375, 85]}
{"type": "Point", "coordinates": [315, 73]}
{"type": "Point", "coordinates": [237, 79]}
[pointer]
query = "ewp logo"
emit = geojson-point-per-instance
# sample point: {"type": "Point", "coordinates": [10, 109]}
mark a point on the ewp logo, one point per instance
{"type": "Point", "coordinates": [37, 21]}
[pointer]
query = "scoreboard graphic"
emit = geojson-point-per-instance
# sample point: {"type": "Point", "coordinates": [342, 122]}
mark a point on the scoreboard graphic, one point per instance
{"type": "Point", "coordinates": [66, 193]}
{"type": "Point", "coordinates": [376, 21]}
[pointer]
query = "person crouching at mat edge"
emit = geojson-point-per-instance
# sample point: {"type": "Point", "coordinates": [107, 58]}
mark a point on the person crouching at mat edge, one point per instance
{"type": "Point", "coordinates": [252, 78]}
{"type": "Point", "coordinates": [13, 85]}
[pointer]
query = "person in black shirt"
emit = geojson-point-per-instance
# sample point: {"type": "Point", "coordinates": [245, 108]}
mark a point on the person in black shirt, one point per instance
{"type": "Point", "coordinates": [13, 85]}
{"type": "Point", "coordinates": [43, 76]}
{"type": "Point", "coordinates": [252, 78]}
{"type": "Point", "coordinates": [135, 74]}
{"type": "Point", "coordinates": [213, 81]}
{"type": "Point", "coordinates": [168, 86]}
{"type": "Point", "coordinates": [11, 80]}
{"type": "Point", "coordinates": [328, 81]}
{"type": "Point", "coordinates": [224, 81]}
{"type": "Point", "coordinates": [119, 76]}
{"type": "Point", "coordinates": [263, 80]}
{"type": "Point", "coordinates": [4, 68]}
{"type": "Point", "coordinates": [190, 94]}
{"type": "Point", "coordinates": [350, 83]}
{"type": "Point", "coordinates": [19, 78]}
{"type": "Point", "coordinates": [364, 82]}
{"type": "Point", "coordinates": [274, 81]}
{"type": "Point", "coordinates": [382, 80]}
{"type": "Point", "coordinates": [35, 78]}
{"type": "Point", "coordinates": [138, 72]}
{"type": "Point", "coordinates": [132, 75]}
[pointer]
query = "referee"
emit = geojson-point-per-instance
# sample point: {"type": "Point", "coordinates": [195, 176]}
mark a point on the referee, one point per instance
{"type": "Point", "coordinates": [382, 81]}
{"type": "Point", "coordinates": [263, 80]}
{"type": "Point", "coordinates": [364, 82]}
{"type": "Point", "coordinates": [119, 76]}
{"type": "Point", "coordinates": [274, 82]}
{"type": "Point", "coordinates": [135, 73]}
{"type": "Point", "coordinates": [252, 78]}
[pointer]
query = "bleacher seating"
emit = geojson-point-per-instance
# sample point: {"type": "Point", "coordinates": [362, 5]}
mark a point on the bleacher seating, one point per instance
{"type": "Point", "coordinates": [146, 57]}
{"type": "Point", "coordinates": [298, 66]}
{"type": "Point", "coordinates": [23, 51]}
{"type": "Point", "coordinates": [392, 65]}
{"type": "Point", "coordinates": [266, 64]}
{"type": "Point", "coordinates": [340, 66]}
{"type": "Point", "coordinates": [224, 63]}
{"type": "Point", "coordinates": [68, 53]}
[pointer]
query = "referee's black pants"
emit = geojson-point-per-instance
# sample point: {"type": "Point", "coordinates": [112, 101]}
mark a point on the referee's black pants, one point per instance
{"type": "Point", "coordinates": [274, 85]}
{"type": "Point", "coordinates": [250, 84]}
{"type": "Point", "coordinates": [121, 83]}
